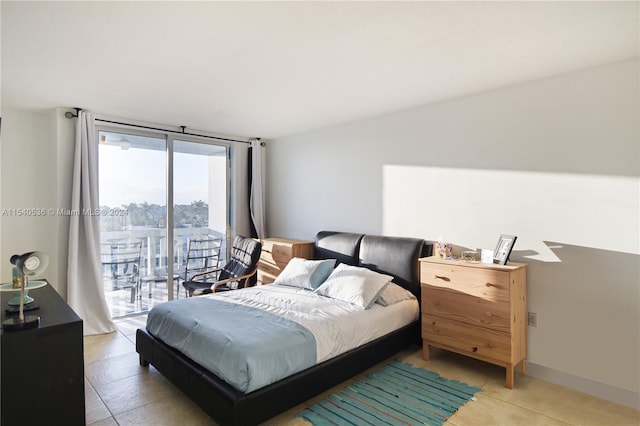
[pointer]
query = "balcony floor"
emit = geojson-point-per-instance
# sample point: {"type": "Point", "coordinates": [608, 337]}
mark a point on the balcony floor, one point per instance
{"type": "Point", "coordinates": [119, 301]}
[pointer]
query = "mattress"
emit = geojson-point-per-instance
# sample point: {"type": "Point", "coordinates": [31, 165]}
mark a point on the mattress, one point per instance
{"type": "Point", "coordinates": [256, 336]}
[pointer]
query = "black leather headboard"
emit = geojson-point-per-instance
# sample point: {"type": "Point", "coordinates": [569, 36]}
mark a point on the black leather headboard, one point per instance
{"type": "Point", "coordinates": [397, 256]}
{"type": "Point", "coordinates": [394, 256]}
{"type": "Point", "coordinates": [343, 246]}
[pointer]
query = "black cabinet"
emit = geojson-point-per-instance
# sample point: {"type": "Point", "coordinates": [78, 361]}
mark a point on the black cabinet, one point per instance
{"type": "Point", "coordinates": [42, 369]}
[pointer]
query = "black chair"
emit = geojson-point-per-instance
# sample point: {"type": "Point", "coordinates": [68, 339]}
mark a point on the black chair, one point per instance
{"type": "Point", "coordinates": [242, 265]}
{"type": "Point", "coordinates": [121, 265]}
{"type": "Point", "coordinates": [203, 255]}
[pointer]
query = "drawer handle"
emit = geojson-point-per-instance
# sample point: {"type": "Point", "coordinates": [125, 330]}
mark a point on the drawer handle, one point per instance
{"type": "Point", "coordinates": [474, 349]}
{"type": "Point", "coordinates": [490, 285]}
{"type": "Point", "coordinates": [439, 277]}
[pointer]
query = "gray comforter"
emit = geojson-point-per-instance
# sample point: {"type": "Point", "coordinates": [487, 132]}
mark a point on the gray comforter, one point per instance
{"type": "Point", "coordinates": [245, 346]}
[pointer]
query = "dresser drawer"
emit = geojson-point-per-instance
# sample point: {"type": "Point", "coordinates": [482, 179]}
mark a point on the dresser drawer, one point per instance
{"type": "Point", "coordinates": [265, 277]}
{"type": "Point", "coordinates": [465, 308]}
{"type": "Point", "coordinates": [466, 339]}
{"type": "Point", "coordinates": [276, 262]}
{"type": "Point", "coordinates": [488, 284]}
{"type": "Point", "coordinates": [269, 267]}
{"type": "Point", "coordinates": [277, 251]}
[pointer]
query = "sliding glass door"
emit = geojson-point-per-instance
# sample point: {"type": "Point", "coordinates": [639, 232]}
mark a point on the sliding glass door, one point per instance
{"type": "Point", "coordinates": [200, 207]}
{"type": "Point", "coordinates": [140, 175]}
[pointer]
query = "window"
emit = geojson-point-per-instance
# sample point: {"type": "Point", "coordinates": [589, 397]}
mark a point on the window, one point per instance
{"type": "Point", "coordinates": [140, 175]}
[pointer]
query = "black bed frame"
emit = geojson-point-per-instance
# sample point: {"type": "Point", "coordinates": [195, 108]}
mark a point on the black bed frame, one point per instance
{"type": "Point", "coordinates": [396, 256]}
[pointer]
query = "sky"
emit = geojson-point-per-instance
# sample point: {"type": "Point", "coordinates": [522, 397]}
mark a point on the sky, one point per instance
{"type": "Point", "coordinates": [138, 175]}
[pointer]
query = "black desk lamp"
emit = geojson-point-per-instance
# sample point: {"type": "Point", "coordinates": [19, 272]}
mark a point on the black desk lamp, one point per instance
{"type": "Point", "coordinates": [29, 264]}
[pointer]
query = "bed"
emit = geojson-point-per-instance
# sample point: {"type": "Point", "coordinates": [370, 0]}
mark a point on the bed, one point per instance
{"type": "Point", "coordinates": [224, 393]}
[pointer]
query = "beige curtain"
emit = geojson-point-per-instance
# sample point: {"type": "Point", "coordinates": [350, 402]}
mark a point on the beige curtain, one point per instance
{"type": "Point", "coordinates": [85, 292]}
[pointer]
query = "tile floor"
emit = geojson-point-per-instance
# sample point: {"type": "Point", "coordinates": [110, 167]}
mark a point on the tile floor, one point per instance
{"type": "Point", "coordinates": [120, 392]}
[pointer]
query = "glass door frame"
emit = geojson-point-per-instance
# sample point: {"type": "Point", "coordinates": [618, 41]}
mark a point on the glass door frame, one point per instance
{"type": "Point", "coordinates": [170, 137]}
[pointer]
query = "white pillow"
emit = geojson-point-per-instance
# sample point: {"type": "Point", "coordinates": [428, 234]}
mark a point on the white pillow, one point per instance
{"type": "Point", "coordinates": [393, 293]}
{"type": "Point", "coordinates": [305, 273]}
{"type": "Point", "coordinates": [358, 286]}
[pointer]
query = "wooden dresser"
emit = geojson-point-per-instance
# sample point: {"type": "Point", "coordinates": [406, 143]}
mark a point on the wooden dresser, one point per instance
{"type": "Point", "coordinates": [475, 309]}
{"type": "Point", "coordinates": [276, 253]}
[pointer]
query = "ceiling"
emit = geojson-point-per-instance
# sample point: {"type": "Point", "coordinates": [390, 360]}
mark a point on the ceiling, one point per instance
{"type": "Point", "coordinates": [271, 69]}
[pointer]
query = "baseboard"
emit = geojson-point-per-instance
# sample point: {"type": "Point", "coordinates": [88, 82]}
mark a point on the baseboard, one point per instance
{"type": "Point", "coordinates": [591, 387]}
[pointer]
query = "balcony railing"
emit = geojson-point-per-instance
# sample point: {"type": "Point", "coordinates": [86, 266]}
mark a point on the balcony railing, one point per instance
{"type": "Point", "coordinates": [153, 264]}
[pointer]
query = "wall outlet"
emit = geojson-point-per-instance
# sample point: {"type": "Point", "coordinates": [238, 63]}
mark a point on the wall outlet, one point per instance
{"type": "Point", "coordinates": [532, 319]}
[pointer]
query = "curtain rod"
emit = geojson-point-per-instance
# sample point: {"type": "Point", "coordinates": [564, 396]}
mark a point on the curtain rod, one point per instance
{"type": "Point", "coordinates": [70, 115]}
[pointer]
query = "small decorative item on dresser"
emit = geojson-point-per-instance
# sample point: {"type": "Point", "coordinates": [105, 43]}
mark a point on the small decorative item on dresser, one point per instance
{"type": "Point", "coordinates": [28, 265]}
{"type": "Point", "coordinates": [503, 249]}
{"type": "Point", "coordinates": [443, 250]}
{"type": "Point", "coordinates": [469, 256]}
{"type": "Point", "coordinates": [486, 256]}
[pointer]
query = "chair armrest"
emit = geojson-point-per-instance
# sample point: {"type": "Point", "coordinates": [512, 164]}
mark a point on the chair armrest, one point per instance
{"type": "Point", "coordinates": [233, 279]}
{"type": "Point", "coordinates": [201, 274]}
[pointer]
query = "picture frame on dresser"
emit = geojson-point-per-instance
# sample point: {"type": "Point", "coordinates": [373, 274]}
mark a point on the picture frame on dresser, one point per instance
{"type": "Point", "coordinates": [503, 249]}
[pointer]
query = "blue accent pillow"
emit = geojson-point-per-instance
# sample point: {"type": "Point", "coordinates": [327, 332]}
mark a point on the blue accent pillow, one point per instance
{"type": "Point", "coordinates": [304, 273]}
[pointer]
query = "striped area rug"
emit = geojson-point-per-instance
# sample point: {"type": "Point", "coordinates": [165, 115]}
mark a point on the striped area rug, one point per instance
{"type": "Point", "coordinates": [397, 394]}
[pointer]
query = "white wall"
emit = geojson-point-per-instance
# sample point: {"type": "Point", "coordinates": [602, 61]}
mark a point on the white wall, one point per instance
{"type": "Point", "coordinates": [46, 140]}
{"type": "Point", "coordinates": [554, 161]}
{"type": "Point", "coordinates": [29, 179]}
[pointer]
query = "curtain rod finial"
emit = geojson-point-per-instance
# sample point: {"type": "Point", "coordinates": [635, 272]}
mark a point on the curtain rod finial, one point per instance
{"type": "Point", "coordinates": [70, 115]}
